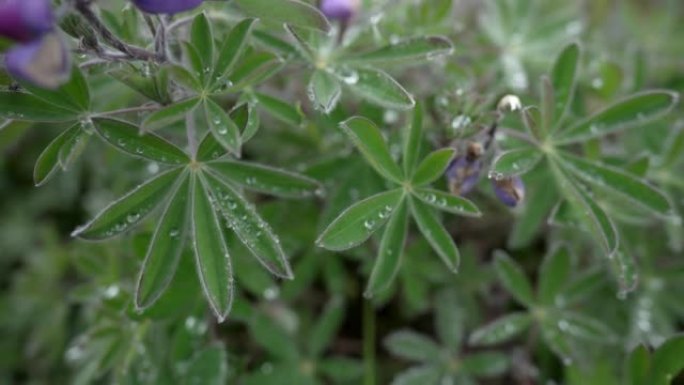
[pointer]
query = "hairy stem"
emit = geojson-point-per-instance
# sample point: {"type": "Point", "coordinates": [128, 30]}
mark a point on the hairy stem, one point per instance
{"type": "Point", "coordinates": [83, 7]}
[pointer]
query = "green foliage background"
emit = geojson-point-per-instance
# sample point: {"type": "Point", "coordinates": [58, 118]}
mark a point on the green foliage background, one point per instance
{"type": "Point", "coordinates": [581, 284]}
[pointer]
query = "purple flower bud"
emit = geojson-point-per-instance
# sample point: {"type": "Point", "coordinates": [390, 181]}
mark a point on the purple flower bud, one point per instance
{"type": "Point", "coordinates": [509, 190]}
{"type": "Point", "coordinates": [43, 62]}
{"type": "Point", "coordinates": [342, 10]}
{"type": "Point", "coordinates": [462, 174]}
{"type": "Point", "coordinates": [25, 20]}
{"type": "Point", "coordinates": [167, 6]}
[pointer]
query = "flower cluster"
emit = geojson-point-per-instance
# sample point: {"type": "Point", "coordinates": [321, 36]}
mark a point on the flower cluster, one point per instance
{"type": "Point", "coordinates": [39, 55]}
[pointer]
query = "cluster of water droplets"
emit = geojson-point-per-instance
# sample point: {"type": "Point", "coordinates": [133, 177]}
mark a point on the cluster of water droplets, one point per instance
{"type": "Point", "coordinates": [380, 217]}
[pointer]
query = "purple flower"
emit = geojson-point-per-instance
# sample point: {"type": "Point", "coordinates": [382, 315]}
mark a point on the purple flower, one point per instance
{"type": "Point", "coordinates": [509, 190]}
{"type": "Point", "coordinates": [342, 10]}
{"type": "Point", "coordinates": [462, 174]}
{"type": "Point", "coordinates": [43, 62]}
{"type": "Point", "coordinates": [25, 20]}
{"type": "Point", "coordinates": [167, 6]}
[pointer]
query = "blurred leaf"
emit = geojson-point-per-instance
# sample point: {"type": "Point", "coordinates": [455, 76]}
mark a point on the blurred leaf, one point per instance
{"type": "Point", "coordinates": [324, 91]}
{"type": "Point", "coordinates": [486, 364]}
{"type": "Point", "coordinates": [254, 68]}
{"type": "Point", "coordinates": [369, 141]}
{"type": "Point", "coordinates": [292, 12]}
{"type": "Point", "coordinates": [324, 331]}
{"type": "Point", "coordinates": [208, 367]}
{"type": "Point", "coordinates": [638, 366]}
{"type": "Point", "coordinates": [279, 109]}
{"type": "Point", "coordinates": [513, 278]}
{"type": "Point", "coordinates": [165, 248]}
{"type": "Point", "coordinates": [516, 162]}
{"type": "Point", "coordinates": [635, 110]}
{"type": "Point", "coordinates": [123, 214]}
{"type": "Point", "coordinates": [211, 252]}
{"type": "Point", "coordinates": [273, 337]}
{"type": "Point", "coordinates": [359, 221]}
{"type": "Point", "coordinates": [406, 51]}
{"type": "Point", "coordinates": [501, 330]}
{"type": "Point", "coordinates": [412, 346]}
{"type": "Point", "coordinates": [419, 375]}
{"type": "Point", "coordinates": [553, 275]}
{"type": "Point", "coordinates": [436, 234]}
{"type": "Point", "coordinates": [388, 261]}
{"type": "Point", "coordinates": [26, 107]}
{"type": "Point", "coordinates": [564, 79]}
{"type": "Point", "coordinates": [449, 320]}
{"type": "Point", "coordinates": [667, 361]}
{"type": "Point", "coordinates": [341, 369]}
{"type": "Point", "coordinates": [377, 87]}
{"type": "Point", "coordinates": [73, 95]}
{"type": "Point", "coordinates": [127, 138]}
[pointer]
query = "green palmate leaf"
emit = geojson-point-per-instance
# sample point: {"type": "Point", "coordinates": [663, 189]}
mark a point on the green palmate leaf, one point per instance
{"type": "Point", "coordinates": [435, 233]}
{"type": "Point", "coordinates": [368, 139]}
{"type": "Point", "coordinates": [447, 202]}
{"type": "Point", "coordinates": [325, 329]}
{"type": "Point", "coordinates": [513, 278]}
{"type": "Point", "coordinates": [412, 138]}
{"type": "Point", "coordinates": [553, 275]}
{"type": "Point", "coordinates": [516, 162]}
{"type": "Point", "coordinates": [154, 87]}
{"type": "Point", "coordinates": [232, 49]}
{"type": "Point", "coordinates": [72, 148]}
{"type": "Point", "coordinates": [196, 66]}
{"type": "Point", "coordinates": [279, 109]}
{"type": "Point", "coordinates": [185, 78]}
{"type": "Point", "coordinates": [587, 211]}
{"type": "Point", "coordinates": [222, 127]}
{"type": "Point", "coordinates": [635, 110]}
{"type": "Point", "coordinates": [667, 361]}
{"type": "Point", "coordinates": [211, 252]}
{"type": "Point", "coordinates": [486, 364]}
{"type": "Point", "coordinates": [433, 166]}
{"type": "Point", "coordinates": [406, 51]}
{"type": "Point", "coordinates": [293, 12]}
{"type": "Point", "coordinates": [208, 367]}
{"type": "Point", "coordinates": [564, 79]}
{"type": "Point", "coordinates": [377, 87]}
{"type": "Point", "coordinates": [324, 91]}
{"type": "Point", "coordinates": [127, 138]}
{"type": "Point", "coordinates": [48, 161]}
{"type": "Point", "coordinates": [254, 68]}
{"type": "Point", "coordinates": [165, 248]}
{"type": "Point", "coordinates": [419, 375]}
{"type": "Point", "coordinates": [202, 39]}
{"type": "Point", "coordinates": [412, 346]}
{"type": "Point", "coordinates": [169, 115]}
{"type": "Point", "coordinates": [358, 222]}
{"type": "Point", "coordinates": [254, 232]}
{"type": "Point", "coordinates": [266, 179]}
{"type": "Point", "coordinates": [73, 95]}
{"type": "Point", "coordinates": [619, 182]}
{"type": "Point", "coordinates": [128, 211]}
{"type": "Point", "coordinates": [26, 107]}
{"type": "Point", "coordinates": [247, 119]}
{"type": "Point", "coordinates": [388, 261]}
{"type": "Point", "coordinates": [501, 330]}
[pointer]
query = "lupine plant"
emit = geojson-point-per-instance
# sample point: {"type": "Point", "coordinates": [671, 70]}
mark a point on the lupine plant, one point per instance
{"type": "Point", "coordinates": [288, 192]}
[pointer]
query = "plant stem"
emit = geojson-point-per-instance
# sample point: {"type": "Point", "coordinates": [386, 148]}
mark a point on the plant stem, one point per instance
{"type": "Point", "coordinates": [368, 342]}
{"type": "Point", "coordinates": [83, 7]}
